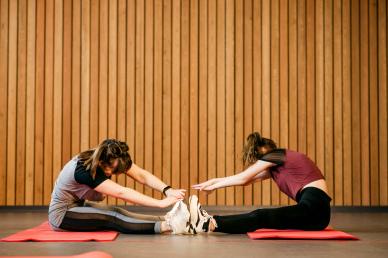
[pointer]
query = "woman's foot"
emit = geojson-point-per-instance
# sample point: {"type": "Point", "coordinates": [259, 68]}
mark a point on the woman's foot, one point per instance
{"type": "Point", "coordinates": [200, 220]}
{"type": "Point", "coordinates": [178, 219]}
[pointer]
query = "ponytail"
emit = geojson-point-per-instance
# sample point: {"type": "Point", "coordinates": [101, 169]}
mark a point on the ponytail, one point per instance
{"type": "Point", "coordinates": [252, 151]}
{"type": "Point", "coordinates": [105, 154]}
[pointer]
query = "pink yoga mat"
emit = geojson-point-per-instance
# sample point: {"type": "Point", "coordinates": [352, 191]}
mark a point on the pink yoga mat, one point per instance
{"type": "Point", "coordinates": [328, 233]}
{"type": "Point", "coordinates": [95, 254]}
{"type": "Point", "coordinates": [44, 233]}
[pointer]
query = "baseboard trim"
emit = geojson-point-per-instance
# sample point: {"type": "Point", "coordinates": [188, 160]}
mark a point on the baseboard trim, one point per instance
{"type": "Point", "coordinates": [208, 208]}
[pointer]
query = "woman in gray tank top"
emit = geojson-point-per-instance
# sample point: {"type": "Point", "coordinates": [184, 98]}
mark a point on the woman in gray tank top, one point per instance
{"type": "Point", "coordinates": [86, 177]}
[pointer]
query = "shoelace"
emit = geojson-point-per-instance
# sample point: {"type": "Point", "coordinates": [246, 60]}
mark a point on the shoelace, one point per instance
{"type": "Point", "coordinates": [207, 217]}
{"type": "Point", "coordinates": [204, 213]}
{"type": "Point", "coordinates": [191, 229]}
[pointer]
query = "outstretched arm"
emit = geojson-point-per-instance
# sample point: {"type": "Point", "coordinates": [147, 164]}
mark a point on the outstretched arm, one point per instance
{"type": "Point", "coordinates": [145, 177]}
{"type": "Point", "coordinates": [259, 177]}
{"type": "Point", "coordinates": [257, 171]}
{"type": "Point", "coordinates": [113, 189]}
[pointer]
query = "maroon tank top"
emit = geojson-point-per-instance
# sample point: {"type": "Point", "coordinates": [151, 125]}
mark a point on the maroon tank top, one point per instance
{"type": "Point", "coordinates": [293, 170]}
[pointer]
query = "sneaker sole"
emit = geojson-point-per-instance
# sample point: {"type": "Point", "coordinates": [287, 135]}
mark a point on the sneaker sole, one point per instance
{"type": "Point", "coordinates": [193, 204]}
{"type": "Point", "coordinates": [180, 213]}
{"type": "Point", "coordinates": [174, 208]}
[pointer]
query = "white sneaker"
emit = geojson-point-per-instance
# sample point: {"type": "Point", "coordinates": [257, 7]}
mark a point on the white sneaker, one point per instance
{"type": "Point", "coordinates": [179, 218]}
{"type": "Point", "coordinates": [199, 218]}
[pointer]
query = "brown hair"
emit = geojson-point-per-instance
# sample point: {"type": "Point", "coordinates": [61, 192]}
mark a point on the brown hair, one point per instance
{"type": "Point", "coordinates": [252, 151]}
{"type": "Point", "coordinates": [105, 154]}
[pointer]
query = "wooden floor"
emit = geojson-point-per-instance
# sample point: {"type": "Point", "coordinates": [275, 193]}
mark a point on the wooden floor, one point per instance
{"type": "Point", "coordinates": [370, 225]}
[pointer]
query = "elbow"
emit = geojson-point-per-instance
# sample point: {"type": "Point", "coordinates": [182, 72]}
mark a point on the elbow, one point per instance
{"type": "Point", "coordinates": [119, 194]}
{"type": "Point", "coordinates": [100, 198]}
{"type": "Point", "coordinates": [246, 183]}
{"type": "Point", "coordinates": [242, 181]}
{"type": "Point", "coordinates": [142, 180]}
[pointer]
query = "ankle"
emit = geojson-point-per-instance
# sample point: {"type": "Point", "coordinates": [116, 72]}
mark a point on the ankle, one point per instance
{"type": "Point", "coordinates": [212, 225]}
{"type": "Point", "coordinates": [164, 227]}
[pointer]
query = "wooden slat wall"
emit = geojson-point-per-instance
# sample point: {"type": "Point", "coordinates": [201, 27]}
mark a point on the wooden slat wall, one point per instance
{"type": "Point", "coordinates": [185, 82]}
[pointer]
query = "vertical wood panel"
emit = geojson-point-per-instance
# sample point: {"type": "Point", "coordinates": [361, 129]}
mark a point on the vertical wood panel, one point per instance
{"type": "Point", "coordinates": [194, 19]}
{"type": "Point", "coordinates": [67, 81]}
{"type": "Point", "coordinates": [39, 105]}
{"type": "Point", "coordinates": [356, 130]}
{"type": "Point", "coordinates": [257, 84]}
{"type": "Point", "coordinates": [158, 90]}
{"type": "Point", "coordinates": [212, 101]}
{"type": "Point", "coordinates": [329, 150]}
{"type": "Point", "coordinates": [30, 103]}
{"type": "Point", "coordinates": [283, 80]}
{"type": "Point", "coordinates": [373, 104]}
{"type": "Point", "coordinates": [121, 79]}
{"type": "Point", "coordinates": [185, 96]}
{"type": "Point", "coordinates": [292, 46]}
{"type": "Point", "coordinates": [11, 108]}
{"type": "Point", "coordinates": [112, 69]}
{"type": "Point", "coordinates": [175, 94]}
{"type": "Point", "coordinates": [112, 77]}
{"type": "Point", "coordinates": [337, 99]}
{"type": "Point", "coordinates": [148, 89]}
{"type": "Point", "coordinates": [310, 79]}
{"type": "Point", "coordinates": [347, 101]}
{"type": "Point", "coordinates": [11, 102]}
{"type": "Point", "coordinates": [21, 103]}
{"type": "Point", "coordinates": [76, 80]}
{"type": "Point", "coordinates": [266, 87]}
{"type": "Point", "coordinates": [48, 102]}
{"type": "Point", "coordinates": [383, 108]}
{"type": "Point", "coordinates": [4, 37]}
{"type": "Point", "coordinates": [103, 70]}
{"type": "Point", "coordinates": [221, 114]}
{"type": "Point", "coordinates": [319, 85]}
{"type": "Point", "coordinates": [94, 66]}
{"type": "Point", "coordinates": [167, 26]}
{"type": "Point", "coordinates": [230, 43]}
{"type": "Point", "coordinates": [139, 92]}
{"type": "Point", "coordinates": [57, 92]}
{"type": "Point", "coordinates": [239, 95]}
{"type": "Point", "coordinates": [131, 80]}
{"type": "Point", "coordinates": [275, 110]}
{"type": "Point", "coordinates": [85, 74]}
{"type": "Point", "coordinates": [301, 50]}
{"type": "Point", "coordinates": [364, 102]}
{"type": "Point", "coordinates": [293, 75]}
{"type": "Point", "coordinates": [248, 85]}
{"type": "Point", "coordinates": [202, 93]}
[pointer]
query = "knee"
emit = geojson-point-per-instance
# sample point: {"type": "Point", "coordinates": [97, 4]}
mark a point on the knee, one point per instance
{"type": "Point", "coordinates": [256, 213]}
{"type": "Point", "coordinates": [320, 222]}
{"type": "Point", "coordinates": [325, 221]}
{"type": "Point", "coordinates": [319, 226]}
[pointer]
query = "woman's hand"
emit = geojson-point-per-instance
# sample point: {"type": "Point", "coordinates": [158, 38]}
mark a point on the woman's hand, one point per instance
{"type": "Point", "coordinates": [208, 185]}
{"type": "Point", "coordinates": [177, 193]}
{"type": "Point", "coordinates": [209, 189]}
{"type": "Point", "coordinates": [168, 201]}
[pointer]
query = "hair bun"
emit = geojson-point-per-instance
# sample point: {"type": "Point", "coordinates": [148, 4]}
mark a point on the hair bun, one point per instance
{"type": "Point", "coordinates": [123, 146]}
{"type": "Point", "coordinates": [258, 140]}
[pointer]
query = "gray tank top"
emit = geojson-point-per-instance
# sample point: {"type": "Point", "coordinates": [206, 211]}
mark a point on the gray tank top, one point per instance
{"type": "Point", "coordinates": [68, 193]}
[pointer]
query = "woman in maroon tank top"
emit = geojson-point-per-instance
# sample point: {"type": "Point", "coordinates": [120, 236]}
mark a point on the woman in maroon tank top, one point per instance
{"type": "Point", "coordinates": [295, 174]}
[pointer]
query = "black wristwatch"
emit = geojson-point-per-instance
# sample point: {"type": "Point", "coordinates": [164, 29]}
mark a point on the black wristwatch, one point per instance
{"type": "Point", "coordinates": [165, 189]}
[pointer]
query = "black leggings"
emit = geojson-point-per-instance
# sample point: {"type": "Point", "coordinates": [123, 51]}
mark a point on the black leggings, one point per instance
{"type": "Point", "coordinates": [95, 217]}
{"type": "Point", "coordinates": [311, 213]}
